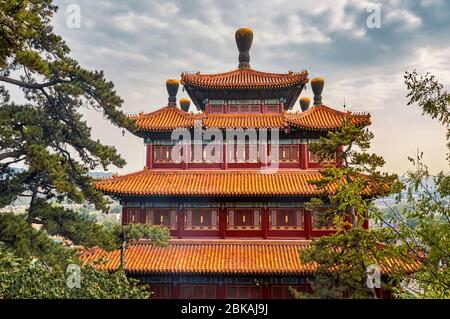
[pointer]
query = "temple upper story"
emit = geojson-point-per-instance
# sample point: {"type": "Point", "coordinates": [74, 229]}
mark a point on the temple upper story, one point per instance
{"type": "Point", "coordinates": [242, 100]}
{"type": "Point", "coordinates": [245, 98]}
{"type": "Point", "coordinates": [244, 90]}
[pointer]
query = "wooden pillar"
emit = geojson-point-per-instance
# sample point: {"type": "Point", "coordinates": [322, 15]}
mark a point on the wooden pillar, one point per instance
{"type": "Point", "coordinates": [304, 154]}
{"type": "Point", "coordinates": [222, 222]}
{"type": "Point", "coordinates": [149, 156]}
{"type": "Point", "coordinates": [142, 215]}
{"type": "Point", "coordinates": [124, 216]}
{"type": "Point", "coordinates": [265, 220]}
{"type": "Point", "coordinates": [180, 225]}
{"type": "Point", "coordinates": [308, 223]}
{"type": "Point", "coordinates": [224, 155]}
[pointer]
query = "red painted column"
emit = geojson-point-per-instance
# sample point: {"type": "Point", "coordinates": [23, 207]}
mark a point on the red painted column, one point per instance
{"type": "Point", "coordinates": [303, 155]}
{"type": "Point", "coordinates": [265, 222]}
{"type": "Point", "coordinates": [222, 222]}
{"type": "Point", "coordinates": [225, 156]}
{"type": "Point", "coordinates": [180, 226]}
{"type": "Point", "coordinates": [150, 156]}
{"type": "Point", "coordinates": [124, 216]}
{"type": "Point", "coordinates": [142, 215]}
{"type": "Point", "coordinates": [308, 223]}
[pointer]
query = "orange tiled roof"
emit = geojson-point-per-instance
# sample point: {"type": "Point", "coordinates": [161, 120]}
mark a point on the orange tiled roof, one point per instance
{"type": "Point", "coordinates": [244, 79]}
{"type": "Point", "coordinates": [286, 182]}
{"type": "Point", "coordinates": [325, 118]}
{"type": "Point", "coordinates": [164, 119]}
{"type": "Point", "coordinates": [223, 121]}
{"type": "Point", "coordinates": [211, 183]}
{"type": "Point", "coordinates": [225, 257]}
{"type": "Point", "coordinates": [317, 118]}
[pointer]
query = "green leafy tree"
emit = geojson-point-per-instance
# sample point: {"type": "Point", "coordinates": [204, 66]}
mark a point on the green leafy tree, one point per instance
{"type": "Point", "coordinates": [47, 137]}
{"type": "Point", "coordinates": [348, 190]}
{"type": "Point", "coordinates": [427, 201]}
{"type": "Point", "coordinates": [30, 279]}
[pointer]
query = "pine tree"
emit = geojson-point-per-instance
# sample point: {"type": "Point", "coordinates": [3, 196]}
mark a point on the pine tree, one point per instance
{"type": "Point", "coordinates": [47, 136]}
{"type": "Point", "coordinates": [347, 195]}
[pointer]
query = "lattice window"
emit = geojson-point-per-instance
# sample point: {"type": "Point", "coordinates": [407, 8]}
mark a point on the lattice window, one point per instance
{"type": "Point", "coordinates": [205, 219]}
{"type": "Point", "coordinates": [288, 218]}
{"type": "Point", "coordinates": [162, 216]}
{"type": "Point", "coordinates": [244, 106]}
{"type": "Point", "coordinates": [133, 214]}
{"type": "Point", "coordinates": [244, 219]}
{"type": "Point", "coordinates": [210, 155]}
{"type": "Point", "coordinates": [162, 154]}
{"type": "Point", "coordinates": [247, 153]}
{"type": "Point", "coordinates": [287, 153]}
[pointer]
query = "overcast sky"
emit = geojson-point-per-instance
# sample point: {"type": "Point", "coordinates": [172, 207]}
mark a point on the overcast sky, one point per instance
{"type": "Point", "coordinates": [140, 44]}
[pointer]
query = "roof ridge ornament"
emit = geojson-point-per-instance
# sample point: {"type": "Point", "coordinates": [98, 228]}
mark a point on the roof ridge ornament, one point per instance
{"type": "Point", "coordinates": [172, 89]}
{"type": "Point", "coordinates": [184, 104]}
{"type": "Point", "coordinates": [304, 103]}
{"type": "Point", "coordinates": [244, 39]}
{"type": "Point", "coordinates": [317, 88]}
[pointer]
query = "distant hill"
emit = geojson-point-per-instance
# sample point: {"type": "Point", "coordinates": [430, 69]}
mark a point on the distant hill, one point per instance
{"type": "Point", "coordinates": [100, 174]}
{"type": "Point", "coordinates": [390, 201]}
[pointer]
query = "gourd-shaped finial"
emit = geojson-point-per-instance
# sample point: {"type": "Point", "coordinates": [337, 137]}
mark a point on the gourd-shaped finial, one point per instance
{"type": "Point", "coordinates": [244, 39]}
{"type": "Point", "coordinates": [172, 89]}
{"type": "Point", "coordinates": [317, 87]}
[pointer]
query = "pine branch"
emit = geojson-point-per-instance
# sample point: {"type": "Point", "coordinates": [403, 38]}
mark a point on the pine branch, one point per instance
{"type": "Point", "coordinates": [33, 86]}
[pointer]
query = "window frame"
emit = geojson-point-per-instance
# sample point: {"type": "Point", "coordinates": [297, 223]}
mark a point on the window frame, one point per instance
{"type": "Point", "coordinates": [189, 219]}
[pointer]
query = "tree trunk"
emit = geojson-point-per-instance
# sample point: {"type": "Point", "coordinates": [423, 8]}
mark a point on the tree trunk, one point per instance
{"type": "Point", "coordinates": [123, 248]}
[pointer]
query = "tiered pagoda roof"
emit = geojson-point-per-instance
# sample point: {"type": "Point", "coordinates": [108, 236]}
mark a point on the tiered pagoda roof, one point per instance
{"type": "Point", "coordinates": [244, 79]}
{"type": "Point", "coordinates": [221, 257]}
{"type": "Point", "coordinates": [218, 183]}
{"type": "Point", "coordinates": [244, 82]}
{"type": "Point", "coordinates": [317, 118]}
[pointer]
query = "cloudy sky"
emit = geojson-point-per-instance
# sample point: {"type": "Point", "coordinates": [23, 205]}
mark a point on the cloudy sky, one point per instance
{"type": "Point", "coordinates": [140, 44]}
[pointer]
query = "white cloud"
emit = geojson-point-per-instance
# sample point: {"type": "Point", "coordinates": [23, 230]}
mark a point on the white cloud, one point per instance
{"type": "Point", "coordinates": [407, 19]}
{"type": "Point", "coordinates": [132, 22]}
{"type": "Point", "coordinates": [140, 44]}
